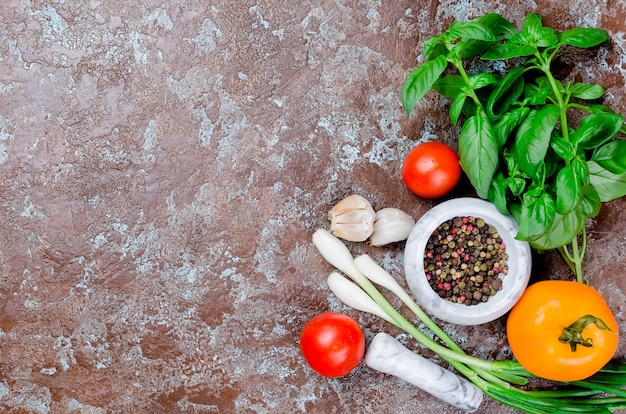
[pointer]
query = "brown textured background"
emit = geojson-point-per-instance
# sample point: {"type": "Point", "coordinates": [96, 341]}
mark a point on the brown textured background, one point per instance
{"type": "Point", "coordinates": [163, 165]}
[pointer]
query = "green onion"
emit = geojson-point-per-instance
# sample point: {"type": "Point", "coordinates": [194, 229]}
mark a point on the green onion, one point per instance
{"type": "Point", "coordinates": [601, 393]}
{"type": "Point", "coordinates": [353, 296]}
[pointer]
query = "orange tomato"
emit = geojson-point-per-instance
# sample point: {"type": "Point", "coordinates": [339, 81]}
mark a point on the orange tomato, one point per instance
{"type": "Point", "coordinates": [537, 335]}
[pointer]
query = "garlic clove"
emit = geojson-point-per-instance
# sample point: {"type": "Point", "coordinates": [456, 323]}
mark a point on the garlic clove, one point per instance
{"type": "Point", "coordinates": [353, 202]}
{"type": "Point", "coordinates": [391, 225]}
{"type": "Point", "coordinates": [352, 219]}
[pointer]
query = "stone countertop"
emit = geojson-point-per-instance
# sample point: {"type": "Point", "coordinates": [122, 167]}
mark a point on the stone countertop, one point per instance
{"type": "Point", "coordinates": [164, 165]}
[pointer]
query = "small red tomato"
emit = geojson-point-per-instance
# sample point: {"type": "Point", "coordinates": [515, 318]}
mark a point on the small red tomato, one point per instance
{"type": "Point", "coordinates": [333, 344]}
{"type": "Point", "coordinates": [431, 169]}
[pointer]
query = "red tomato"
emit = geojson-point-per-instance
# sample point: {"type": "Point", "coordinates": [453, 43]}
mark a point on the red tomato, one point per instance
{"type": "Point", "coordinates": [332, 344]}
{"type": "Point", "coordinates": [431, 169]}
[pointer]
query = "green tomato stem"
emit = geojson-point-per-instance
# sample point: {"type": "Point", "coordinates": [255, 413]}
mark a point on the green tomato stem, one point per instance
{"type": "Point", "coordinates": [573, 334]}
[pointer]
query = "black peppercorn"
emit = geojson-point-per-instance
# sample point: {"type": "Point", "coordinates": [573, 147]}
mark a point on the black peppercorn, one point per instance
{"type": "Point", "coordinates": [464, 259]}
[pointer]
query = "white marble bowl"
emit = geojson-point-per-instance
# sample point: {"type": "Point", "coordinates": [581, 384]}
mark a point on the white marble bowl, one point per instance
{"type": "Point", "coordinates": [513, 283]}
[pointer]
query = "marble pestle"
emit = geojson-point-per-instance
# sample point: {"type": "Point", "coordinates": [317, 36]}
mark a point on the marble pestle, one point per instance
{"type": "Point", "coordinates": [387, 355]}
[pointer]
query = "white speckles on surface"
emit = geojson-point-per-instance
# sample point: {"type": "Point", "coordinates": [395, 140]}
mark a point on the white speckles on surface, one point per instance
{"type": "Point", "coordinates": [65, 353]}
{"type": "Point", "coordinates": [259, 21]}
{"type": "Point", "coordinates": [5, 136]}
{"type": "Point", "coordinates": [30, 210]}
{"type": "Point", "coordinates": [205, 41]}
{"type": "Point", "coordinates": [140, 51]}
{"type": "Point", "coordinates": [150, 140]}
{"type": "Point", "coordinates": [619, 40]}
{"type": "Point", "coordinates": [205, 131]}
{"type": "Point", "coordinates": [34, 399]}
{"type": "Point", "coordinates": [4, 390]}
{"type": "Point", "coordinates": [56, 27]}
{"type": "Point", "coordinates": [160, 18]}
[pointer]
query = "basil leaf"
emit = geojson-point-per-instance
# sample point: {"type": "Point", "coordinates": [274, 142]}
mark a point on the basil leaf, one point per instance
{"type": "Point", "coordinates": [537, 35]}
{"type": "Point", "coordinates": [478, 152]}
{"type": "Point", "coordinates": [499, 26]}
{"type": "Point", "coordinates": [551, 166]}
{"type": "Point", "coordinates": [481, 80]}
{"type": "Point", "coordinates": [533, 193]}
{"type": "Point", "coordinates": [561, 232]}
{"type": "Point", "coordinates": [507, 124]}
{"type": "Point", "coordinates": [469, 30]}
{"type": "Point", "coordinates": [532, 28]}
{"type": "Point", "coordinates": [547, 37]}
{"type": "Point", "coordinates": [533, 139]}
{"type": "Point", "coordinates": [609, 186]}
{"type": "Point", "coordinates": [470, 48]}
{"type": "Point", "coordinates": [582, 170]}
{"type": "Point", "coordinates": [420, 80]}
{"type": "Point", "coordinates": [434, 47]}
{"type": "Point", "coordinates": [523, 39]}
{"type": "Point", "coordinates": [497, 193]}
{"type": "Point", "coordinates": [585, 37]}
{"type": "Point", "coordinates": [457, 107]}
{"type": "Point", "coordinates": [570, 183]}
{"type": "Point", "coordinates": [596, 129]}
{"type": "Point", "coordinates": [612, 156]}
{"type": "Point", "coordinates": [516, 185]}
{"type": "Point", "coordinates": [563, 148]}
{"type": "Point", "coordinates": [536, 217]}
{"type": "Point", "coordinates": [449, 86]}
{"type": "Point", "coordinates": [600, 108]}
{"type": "Point", "coordinates": [508, 91]}
{"type": "Point", "coordinates": [591, 202]}
{"type": "Point", "coordinates": [587, 91]}
{"type": "Point", "coordinates": [469, 109]}
{"type": "Point", "coordinates": [516, 211]}
{"type": "Point", "coordinates": [502, 51]}
{"type": "Point", "coordinates": [511, 162]}
{"type": "Point", "coordinates": [538, 95]}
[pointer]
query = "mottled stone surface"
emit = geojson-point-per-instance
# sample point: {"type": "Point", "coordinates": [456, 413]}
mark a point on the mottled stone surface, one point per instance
{"type": "Point", "coordinates": [163, 165]}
